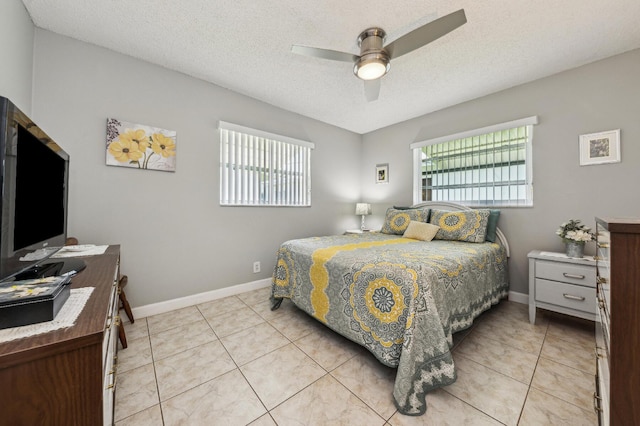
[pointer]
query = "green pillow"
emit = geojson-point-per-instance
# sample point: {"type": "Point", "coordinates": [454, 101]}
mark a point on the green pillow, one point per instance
{"type": "Point", "coordinates": [492, 224]}
{"type": "Point", "coordinates": [468, 225]}
{"type": "Point", "coordinates": [396, 221]}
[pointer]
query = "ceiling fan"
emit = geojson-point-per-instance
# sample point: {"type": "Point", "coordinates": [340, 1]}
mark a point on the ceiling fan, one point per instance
{"type": "Point", "coordinates": [375, 57]}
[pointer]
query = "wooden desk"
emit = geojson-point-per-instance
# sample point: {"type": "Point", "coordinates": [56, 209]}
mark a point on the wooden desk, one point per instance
{"type": "Point", "coordinates": [67, 376]}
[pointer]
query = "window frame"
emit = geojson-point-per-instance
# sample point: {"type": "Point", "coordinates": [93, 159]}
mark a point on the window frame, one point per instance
{"type": "Point", "coordinates": [530, 122]}
{"type": "Point", "coordinates": [261, 154]}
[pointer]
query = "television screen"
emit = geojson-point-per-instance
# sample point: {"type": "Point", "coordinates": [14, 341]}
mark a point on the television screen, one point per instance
{"type": "Point", "coordinates": [34, 173]}
{"type": "Point", "coordinates": [40, 192]}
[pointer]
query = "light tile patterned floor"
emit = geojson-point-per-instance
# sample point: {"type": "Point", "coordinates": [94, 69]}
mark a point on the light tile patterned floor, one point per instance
{"type": "Point", "coordinates": [235, 362]}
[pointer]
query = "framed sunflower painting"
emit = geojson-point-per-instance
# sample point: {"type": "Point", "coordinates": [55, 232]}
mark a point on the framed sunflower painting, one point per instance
{"type": "Point", "coordinates": [140, 146]}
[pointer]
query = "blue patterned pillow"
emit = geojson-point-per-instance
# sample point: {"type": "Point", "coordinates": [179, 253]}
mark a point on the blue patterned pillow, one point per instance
{"type": "Point", "coordinates": [469, 225]}
{"type": "Point", "coordinates": [396, 221]}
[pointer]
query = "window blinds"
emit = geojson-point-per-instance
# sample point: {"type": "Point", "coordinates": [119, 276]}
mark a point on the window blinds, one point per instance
{"type": "Point", "coordinates": [489, 166]}
{"type": "Point", "coordinates": [263, 169]}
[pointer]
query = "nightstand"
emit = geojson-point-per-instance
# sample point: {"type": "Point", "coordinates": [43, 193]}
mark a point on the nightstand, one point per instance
{"type": "Point", "coordinates": [562, 284]}
{"type": "Point", "coordinates": [359, 231]}
{"type": "Point", "coordinates": [353, 231]}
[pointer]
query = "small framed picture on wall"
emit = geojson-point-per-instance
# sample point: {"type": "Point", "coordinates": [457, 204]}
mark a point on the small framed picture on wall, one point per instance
{"type": "Point", "coordinates": [382, 173]}
{"type": "Point", "coordinates": [600, 148]}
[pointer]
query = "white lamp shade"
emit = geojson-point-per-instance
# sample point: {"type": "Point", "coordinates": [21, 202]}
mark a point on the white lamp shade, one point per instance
{"type": "Point", "coordinates": [363, 209]}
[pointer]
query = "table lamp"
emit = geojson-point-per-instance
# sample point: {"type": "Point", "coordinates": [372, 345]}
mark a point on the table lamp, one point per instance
{"type": "Point", "coordinates": [363, 209]}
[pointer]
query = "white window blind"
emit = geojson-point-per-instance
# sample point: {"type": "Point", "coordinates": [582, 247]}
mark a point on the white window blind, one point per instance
{"type": "Point", "coordinates": [263, 169]}
{"type": "Point", "coordinates": [491, 166]}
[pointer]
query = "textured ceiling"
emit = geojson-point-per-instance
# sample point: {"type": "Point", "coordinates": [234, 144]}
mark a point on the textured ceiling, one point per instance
{"type": "Point", "coordinates": [244, 45]}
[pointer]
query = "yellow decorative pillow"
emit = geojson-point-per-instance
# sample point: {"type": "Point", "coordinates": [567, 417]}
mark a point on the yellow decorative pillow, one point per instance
{"type": "Point", "coordinates": [421, 231]}
{"type": "Point", "coordinates": [468, 225]}
{"type": "Point", "coordinates": [396, 220]}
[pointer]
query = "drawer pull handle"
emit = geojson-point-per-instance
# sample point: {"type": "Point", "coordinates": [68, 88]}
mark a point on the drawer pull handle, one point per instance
{"type": "Point", "coordinates": [601, 280]}
{"type": "Point", "coordinates": [114, 376]}
{"type": "Point", "coordinates": [576, 276]}
{"type": "Point", "coordinates": [596, 402]}
{"type": "Point", "coordinates": [572, 297]}
{"type": "Point", "coordinates": [598, 356]}
{"type": "Point", "coordinates": [603, 245]}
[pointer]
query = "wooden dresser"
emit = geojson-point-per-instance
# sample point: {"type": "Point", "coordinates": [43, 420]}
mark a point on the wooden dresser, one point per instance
{"type": "Point", "coordinates": [67, 377]}
{"type": "Point", "coordinates": [617, 398]}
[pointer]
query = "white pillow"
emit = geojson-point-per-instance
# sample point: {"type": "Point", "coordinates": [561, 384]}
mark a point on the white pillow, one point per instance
{"type": "Point", "coordinates": [421, 231]}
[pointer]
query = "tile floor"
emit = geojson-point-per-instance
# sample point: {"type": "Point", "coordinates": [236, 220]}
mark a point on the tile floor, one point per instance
{"type": "Point", "coordinates": [234, 362]}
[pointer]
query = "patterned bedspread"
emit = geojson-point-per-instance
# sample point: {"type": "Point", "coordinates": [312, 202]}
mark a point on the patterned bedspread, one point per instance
{"type": "Point", "coordinates": [400, 298]}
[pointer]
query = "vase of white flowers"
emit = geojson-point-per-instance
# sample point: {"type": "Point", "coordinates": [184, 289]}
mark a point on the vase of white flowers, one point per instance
{"type": "Point", "coordinates": [575, 235]}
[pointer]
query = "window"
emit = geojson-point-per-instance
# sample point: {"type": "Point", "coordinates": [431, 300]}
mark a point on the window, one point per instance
{"type": "Point", "coordinates": [263, 169]}
{"type": "Point", "coordinates": [483, 167]}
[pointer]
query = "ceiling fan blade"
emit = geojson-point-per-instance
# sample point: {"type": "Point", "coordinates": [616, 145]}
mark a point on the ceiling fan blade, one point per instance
{"type": "Point", "coordinates": [332, 55]}
{"type": "Point", "coordinates": [371, 89]}
{"type": "Point", "coordinates": [426, 34]}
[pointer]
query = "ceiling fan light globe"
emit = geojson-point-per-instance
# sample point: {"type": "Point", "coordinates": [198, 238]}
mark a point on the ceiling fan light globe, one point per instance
{"type": "Point", "coordinates": [371, 68]}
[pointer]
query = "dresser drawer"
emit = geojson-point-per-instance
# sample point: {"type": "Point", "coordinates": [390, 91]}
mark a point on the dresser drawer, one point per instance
{"type": "Point", "coordinates": [567, 295]}
{"type": "Point", "coordinates": [602, 392]}
{"type": "Point", "coordinates": [566, 273]}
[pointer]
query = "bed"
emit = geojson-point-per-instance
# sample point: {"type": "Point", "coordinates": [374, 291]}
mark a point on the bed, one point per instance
{"type": "Point", "coordinates": [401, 298]}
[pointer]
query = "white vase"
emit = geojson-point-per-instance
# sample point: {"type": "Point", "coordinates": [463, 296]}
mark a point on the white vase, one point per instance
{"type": "Point", "coordinates": [575, 249]}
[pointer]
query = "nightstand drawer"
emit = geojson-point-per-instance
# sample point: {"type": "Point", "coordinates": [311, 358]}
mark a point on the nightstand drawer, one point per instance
{"type": "Point", "coordinates": [566, 273]}
{"type": "Point", "coordinates": [567, 295]}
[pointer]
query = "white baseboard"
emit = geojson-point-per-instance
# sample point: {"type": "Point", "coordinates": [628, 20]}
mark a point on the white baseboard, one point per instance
{"type": "Point", "coordinates": [519, 297]}
{"type": "Point", "coordinates": [208, 296]}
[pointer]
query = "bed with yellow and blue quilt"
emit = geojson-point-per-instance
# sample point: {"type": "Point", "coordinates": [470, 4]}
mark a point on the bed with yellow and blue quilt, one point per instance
{"type": "Point", "coordinates": [401, 292]}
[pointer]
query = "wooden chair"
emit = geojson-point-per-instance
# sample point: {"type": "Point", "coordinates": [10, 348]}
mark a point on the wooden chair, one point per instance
{"type": "Point", "coordinates": [123, 303]}
{"type": "Point", "coordinates": [123, 298]}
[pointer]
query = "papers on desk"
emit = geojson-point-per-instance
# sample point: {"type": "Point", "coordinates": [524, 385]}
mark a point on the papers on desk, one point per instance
{"type": "Point", "coordinates": [80, 250]}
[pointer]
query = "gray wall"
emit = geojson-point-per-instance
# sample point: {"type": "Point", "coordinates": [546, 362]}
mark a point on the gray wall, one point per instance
{"type": "Point", "coordinates": [16, 51]}
{"type": "Point", "coordinates": [600, 96]}
{"type": "Point", "coordinates": [175, 238]}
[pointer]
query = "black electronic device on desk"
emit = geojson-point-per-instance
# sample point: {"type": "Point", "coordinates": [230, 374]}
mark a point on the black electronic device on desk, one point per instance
{"type": "Point", "coordinates": [24, 302]}
{"type": "Point", "coordinates": [50, 267]}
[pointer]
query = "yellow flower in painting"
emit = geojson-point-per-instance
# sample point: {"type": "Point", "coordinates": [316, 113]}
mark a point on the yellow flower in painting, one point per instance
{"type": "Point", "coordinates": [138, 136]}
{"type": "Point", "coordinates": [124, 150]}
{"type": "Point", "coordinates": [163, 145]}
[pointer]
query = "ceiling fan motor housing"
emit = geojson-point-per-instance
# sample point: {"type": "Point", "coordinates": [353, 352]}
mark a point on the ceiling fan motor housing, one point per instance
{"type": "Point", "coordinates": [374, 60]}
{"type": "Point", "coordinates": [371, 39]}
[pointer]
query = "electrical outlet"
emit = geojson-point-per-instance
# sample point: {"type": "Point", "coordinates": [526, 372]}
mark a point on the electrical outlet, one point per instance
{"type": "Point", "coordinates": [256, 267]}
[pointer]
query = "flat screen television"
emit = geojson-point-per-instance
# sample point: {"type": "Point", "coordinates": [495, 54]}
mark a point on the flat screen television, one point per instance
{"type": "Point", "coordinates": [34, 173]}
